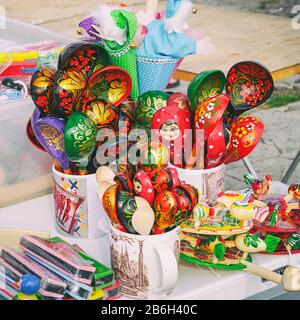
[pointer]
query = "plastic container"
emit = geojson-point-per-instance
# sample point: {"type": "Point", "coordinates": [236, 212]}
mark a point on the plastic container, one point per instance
{"type": "Point", "coordinates": [25, 172]}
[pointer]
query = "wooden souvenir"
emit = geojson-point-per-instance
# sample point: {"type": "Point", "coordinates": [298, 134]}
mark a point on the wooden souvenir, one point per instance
{"type": "Point", "coordinates": [206, 84]}
{"type": "Point", "coordinates": [41, 89]}
{"type": "Point", "coordinates": [165, 208]}
{"type": "Point", "coordinates": [49, 131]}
{"type": "Point", "coordinates": [148, 103]}
{"type": "Point", "coordinates": [245, 135]}
{"type": "Point", "coordinates": [143, 218]}
{"type": "Point", "coordinates": [110, 84]}
{"type": "Point", "coordinates": [161, 179]}
{"type": "Point", "coordinates": [143, 186]}
{"type": "Point", "coordinates": [248, 84]}
{"type": "Point", "coordinates": [80, 139]}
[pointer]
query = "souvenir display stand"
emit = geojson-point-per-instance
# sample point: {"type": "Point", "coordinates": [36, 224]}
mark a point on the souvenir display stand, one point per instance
{"type": "Point", "coordinates": [193, 283]}
{"type": "Point", "coordinates": [164, 227]}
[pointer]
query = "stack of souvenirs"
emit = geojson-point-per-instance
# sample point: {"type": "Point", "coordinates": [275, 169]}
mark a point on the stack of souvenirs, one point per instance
{"type": "Point", "coordinates": [53, 269]}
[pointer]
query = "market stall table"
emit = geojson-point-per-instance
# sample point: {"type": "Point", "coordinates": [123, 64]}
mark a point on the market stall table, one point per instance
{"type": "Point", "coordinates": [194, 283]}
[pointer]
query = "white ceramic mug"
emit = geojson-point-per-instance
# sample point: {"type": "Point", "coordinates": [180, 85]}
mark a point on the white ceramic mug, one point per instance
{"type": "Point", "coordinates": [78, 210]}
{"type": "Point", "coordinates": [210, 182]}
{"type": "Point", "coordinates": [146, 266]}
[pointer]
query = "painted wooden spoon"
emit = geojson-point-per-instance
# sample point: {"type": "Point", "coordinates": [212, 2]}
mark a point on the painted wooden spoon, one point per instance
{"type": "Point", "coordinates": [245, 134]}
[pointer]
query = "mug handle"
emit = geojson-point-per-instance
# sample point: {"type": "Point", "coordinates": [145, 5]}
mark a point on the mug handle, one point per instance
{"type": "Point", "coordinates": [169, 267]}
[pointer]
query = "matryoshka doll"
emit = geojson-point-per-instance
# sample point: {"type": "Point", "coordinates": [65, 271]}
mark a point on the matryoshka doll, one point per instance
{"type": "Point", "coordinates": [172, 126]}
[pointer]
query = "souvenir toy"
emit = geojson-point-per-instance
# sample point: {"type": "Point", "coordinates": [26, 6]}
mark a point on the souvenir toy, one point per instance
{"type": "Point", "coordinates": [220, 240]}
{"type": "Point", "coordinates": [277, 214]}
{"type": "Point", "coordinates": [41, 89]}
{"type": "Point", "coordinates": [80, 139]}
{"type": "Point", "coordinates": [164, 46]}
{"type": "Point", "coordinates": [49, 131]}
{"type": "Point", "coordinates": [97, 295]}
{"type": "Point", "coordinates": [248, 84]}
{"type": "Point", "coordinates": [103, 276]}
{"type": "Point", "coordinates": [30, 285]}
{"type": "Point", "coordinates": [172, 127]}
{"type": "Point", "coordinates": [148, 103]}
{"type": "Point", "coordinates": [117, 30]}
{"type": "Point", "coordinates": [73, 265]}
{"type": "Point", "coordinates": [245, 134]}
{"type": "Point", "coordinates": [109, 200]}
{"type": "Point", "coordinates": [52, 286]}
{"type": "Point", "coordinates": [74, 289]}
{"type": "Point", "coordinates": [161, 179]}
{"type": "Point", "coordinates": [259, 187]}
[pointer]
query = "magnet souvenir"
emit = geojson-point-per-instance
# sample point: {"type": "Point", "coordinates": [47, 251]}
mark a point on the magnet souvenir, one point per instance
{"type": "Point", "coordinates": [41, 89]}
{"type": "Point", "coordinates": [204, 85]}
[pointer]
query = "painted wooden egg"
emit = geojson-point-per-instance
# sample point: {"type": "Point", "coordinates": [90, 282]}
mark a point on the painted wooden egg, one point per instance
{"type": "Point", "coordinates": [80, 138]}
{"type": "Point", "coordinates": [109, 201]}
{"type": "Point", "coordinates": [165, 208]}
{"type": "Point", "coordinates": [124, 182]}
{"type": "Point", "coordinates": [69, 91]}
{"type": "Point", "coordinates": [143, 186]}
{"type": "Point", "coordinates": [161, 179]}
{"type": "Point", "coordinates": [41, 89]}
{"type": "Point", "coordinates": [126, 207]}
{"type": "Point", "coordinates": [147, 104]}
{"type": "Point", "coordinates": [101, 113]}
